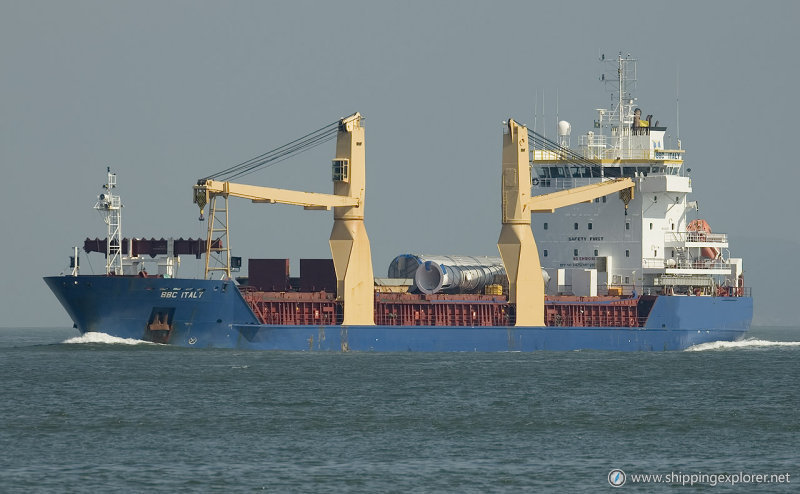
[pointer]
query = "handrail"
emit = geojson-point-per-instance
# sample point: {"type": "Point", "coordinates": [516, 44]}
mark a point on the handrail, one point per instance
{"type": "Point", "coordinates": [697, 237]}
{"type": "Point", "coordinates": [660, 263]}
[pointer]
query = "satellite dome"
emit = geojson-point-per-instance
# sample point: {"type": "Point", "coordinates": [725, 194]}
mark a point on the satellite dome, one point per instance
{"type": "Point", "coordinates": [564, 128]}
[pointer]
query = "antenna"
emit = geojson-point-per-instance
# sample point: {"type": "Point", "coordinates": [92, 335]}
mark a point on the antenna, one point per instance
{"type": "Point", "coordinates": [557, 120]}
{"type": "Point", "coordinates": [678, 103]}
{"type": "Point", "coordinates": [544, 120]}
{"type": "Point", "coordinates": [621, 79]}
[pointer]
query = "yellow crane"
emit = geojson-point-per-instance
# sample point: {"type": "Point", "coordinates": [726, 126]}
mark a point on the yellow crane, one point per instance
{"type": "Point", "coordinates": [516, 244]}
{"type": "Point", "coordinates": [349, 243]}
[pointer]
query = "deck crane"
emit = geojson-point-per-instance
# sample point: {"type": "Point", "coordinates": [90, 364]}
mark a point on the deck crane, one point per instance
{"type": "Point", "coordinates": [516, 244]}
{"type": "Point", "coordinates": [349, 244]}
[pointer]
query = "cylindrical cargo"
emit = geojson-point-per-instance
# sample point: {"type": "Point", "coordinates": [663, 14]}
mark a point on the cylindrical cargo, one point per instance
{"type": "Point", "coordinates": [453, 274]}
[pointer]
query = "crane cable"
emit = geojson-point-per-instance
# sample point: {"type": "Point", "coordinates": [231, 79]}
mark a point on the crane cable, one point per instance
{"type": "Point", "coordinates": [564, 153]}
{"type": "Point", "coordinates": [275, 156]}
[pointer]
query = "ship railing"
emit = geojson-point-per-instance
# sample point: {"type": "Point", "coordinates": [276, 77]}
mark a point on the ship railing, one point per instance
{"type": "Point", "coordinates": [552, 155]}
{"type": "Point", "coordinates": [632, 154]}
{"type": "Point", "coordinates": [628, 291]}
{"type": "Point", "coordinates": [698, 237]}
{"type": "Point", "coordinates": [563, 183]}
{"type": "Point", "coordinates": [659, 263]}
{"type": "Point", "coordinates": [599, 147]}
{"type": "Point", "coordinates": [593, 146]}
{"type": "Point", "coordinates": [712, 290]}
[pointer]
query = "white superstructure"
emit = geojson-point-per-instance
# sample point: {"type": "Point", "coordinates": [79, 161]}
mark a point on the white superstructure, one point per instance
{"type": "Point", "coordinates": [653, 246]}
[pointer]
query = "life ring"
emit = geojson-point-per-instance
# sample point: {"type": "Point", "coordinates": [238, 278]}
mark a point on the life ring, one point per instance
{"type": "Point", "coordinates": [535, 181]}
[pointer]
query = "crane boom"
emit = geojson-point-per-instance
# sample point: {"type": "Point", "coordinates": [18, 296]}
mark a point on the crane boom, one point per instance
{"type": "Point", "coordinates": [516, 244]}
{"type": "Point", "coordinates": [547, 203]}
{"type": "Point", "coordinates": [272, 195]}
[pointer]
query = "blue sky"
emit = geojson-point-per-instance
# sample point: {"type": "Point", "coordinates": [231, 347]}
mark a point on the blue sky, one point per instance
{"type": "Point", "coordinates": [165, 92]}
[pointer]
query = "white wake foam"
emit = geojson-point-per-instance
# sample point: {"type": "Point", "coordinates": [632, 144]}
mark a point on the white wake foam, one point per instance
{"type": "Point", "coordinates": [93, 337]}
{"type": "Point", "coordinates": [749, 343]}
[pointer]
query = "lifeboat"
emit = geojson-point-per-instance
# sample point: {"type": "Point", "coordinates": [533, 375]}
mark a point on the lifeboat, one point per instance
{"type": "Point", "coordinates": [698, 232]}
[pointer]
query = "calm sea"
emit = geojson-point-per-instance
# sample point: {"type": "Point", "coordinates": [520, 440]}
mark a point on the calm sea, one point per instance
{"type": "Point", "coordinates": [100, 414]}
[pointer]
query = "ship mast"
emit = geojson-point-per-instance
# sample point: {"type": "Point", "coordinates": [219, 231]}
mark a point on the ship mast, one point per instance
{"type": "Point", "coordinates": [620, 117]}
{"type": "Point", "coordinates": [110, 206]}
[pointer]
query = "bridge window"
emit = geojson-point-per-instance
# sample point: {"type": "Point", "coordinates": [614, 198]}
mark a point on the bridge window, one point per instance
{"type": "Point", "coordinates": [627, 225]}
{"type": "Point", "coordinates": [575, 252]}
{"type": "Point", "coordinates": [595, 252]}
{"type": "Point", "coordinates": [545, 253]}
{"type": "Point", "coordinates": [575, 226]}
{"type": "Point", "coordinates": [341, 170]}
{"type": "Point", "coordinates": [590, 226]}
{"type": "Point", "coordinates": [604, 198]}
{"type": "Point", "coordinates": [627, 253]}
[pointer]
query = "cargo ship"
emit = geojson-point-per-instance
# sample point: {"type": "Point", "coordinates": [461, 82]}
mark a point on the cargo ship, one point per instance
{"type": "Point", "coordinates": [618, 263]}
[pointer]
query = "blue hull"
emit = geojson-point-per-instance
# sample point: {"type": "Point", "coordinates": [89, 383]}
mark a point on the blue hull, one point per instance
{"type": "Point", "coordinates": [213, 314]}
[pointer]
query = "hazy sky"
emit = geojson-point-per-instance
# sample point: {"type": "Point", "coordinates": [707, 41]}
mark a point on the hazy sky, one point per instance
{"type": "Point", "coordinates": [166, 92]}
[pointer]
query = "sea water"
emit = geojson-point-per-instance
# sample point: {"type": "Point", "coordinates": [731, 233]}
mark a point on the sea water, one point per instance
{"type": "Point", "coordinates": [95, 413]}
